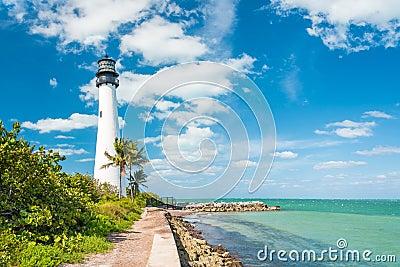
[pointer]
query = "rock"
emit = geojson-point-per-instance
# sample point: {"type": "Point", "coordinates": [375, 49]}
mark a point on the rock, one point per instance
{"type": "Point", "coordinates": [231, 207]}
{"type": "Point", "coordinates": [226, 254]}
{"type": "Point", "coordinates": [194, 250]}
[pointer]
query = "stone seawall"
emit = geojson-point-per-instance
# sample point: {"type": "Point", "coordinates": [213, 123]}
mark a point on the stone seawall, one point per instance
{"type": "Point", "coordinates": [194, 251]}
{"type": "Point", "coordinates": [231, 207]}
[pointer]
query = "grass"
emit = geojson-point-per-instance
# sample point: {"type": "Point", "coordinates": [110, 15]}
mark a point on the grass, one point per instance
{"type": "Point", "coordinates": [111, 216]}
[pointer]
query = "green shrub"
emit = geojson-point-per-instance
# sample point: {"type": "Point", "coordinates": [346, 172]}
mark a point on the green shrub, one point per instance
{"type": "Point", "coordinates": [33, 254]}
{"type": "Point", "coordinates": [37, 199]}
{"type": "Point", "coordinates": [102, 225]}
{"type": "Point", "coordinates": [9, 244]}
{"type": "Point", "coordinates": [122, 212]}
{"type": "Point", "coordinates": [112, 210]}
{"type": "Point", "coordinates": [48, 217]}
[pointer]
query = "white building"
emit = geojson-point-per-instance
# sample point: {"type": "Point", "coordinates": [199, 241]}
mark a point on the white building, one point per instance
{"type": "Point", "coordinates": [108, 128]}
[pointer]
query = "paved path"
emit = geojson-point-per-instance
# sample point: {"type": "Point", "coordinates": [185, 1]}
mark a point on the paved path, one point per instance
{"type": "Point", "coordinates": [163, 253]}
{"type": "Point", "coordinates": [148, 243]}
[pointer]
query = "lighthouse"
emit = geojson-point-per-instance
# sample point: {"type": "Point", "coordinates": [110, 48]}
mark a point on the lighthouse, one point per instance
{"type": "Point", "coordinates": [108, 129]}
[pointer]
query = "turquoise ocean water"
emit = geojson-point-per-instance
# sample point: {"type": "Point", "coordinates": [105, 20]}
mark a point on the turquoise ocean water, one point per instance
{"type": "Point", "coordinates": [315, 225]}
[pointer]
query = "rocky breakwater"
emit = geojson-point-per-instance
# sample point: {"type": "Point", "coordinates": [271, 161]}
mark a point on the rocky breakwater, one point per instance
{"type": "Point", "coordinates": [194, 251]}
{"type": "Point", "coordinates": [231, 207]}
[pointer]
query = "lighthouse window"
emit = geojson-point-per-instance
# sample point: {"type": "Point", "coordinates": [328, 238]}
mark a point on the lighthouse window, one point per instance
{"type": "Point", "coordinates": [101, 114]}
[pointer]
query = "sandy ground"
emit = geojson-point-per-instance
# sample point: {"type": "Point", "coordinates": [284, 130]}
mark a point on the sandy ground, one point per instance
{"type": "Point", "coordinates": [131, 248]}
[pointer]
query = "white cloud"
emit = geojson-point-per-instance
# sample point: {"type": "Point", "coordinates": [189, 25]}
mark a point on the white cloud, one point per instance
{"type": "Point", "coordinates": [53, 82]}
{"type": "Point", "coordinates": [265, 67]}
{"type": "Point", "coordinates": [354, 132]}
{"type": "Point", "coordinates": [362, 183]}
{"type": "Point", "coordinates": [162, 42]}
{"type": "Point", "coordinates": [199, 111]}
{"type": "Point", "coordinates": [85, 160]}
{"type": "Point", "coordinates": [92, 67]}
{"type": "Point", "coordinates": [121, 122]}
{"type": "Point", "coordinates": [81, 23]}
{"type": "Point", "coordinates": [393, 174]}
{"type": "Point", "coordinates": [286, 155]}
{"type": "Point", "coordinates": [129, 85]}
{"type": "Point", "coordinates": [351, 25]}
{"type": "Point", "coordinates": [159, 85]}
{"type": "Point", "coordinates": [338, 176]}
{"type": "Point", "coordinates": [75, 122]}
{"type": "Point", "coordinates": [68, 150]}
{"type": "Point", "coordinates": [90, 92]}
{"type": "Point", "coordinates": [338, 164]}
{"type": "Point", "coordinates": [307, 144]}
{"type": "Point", "coordinates": [186, 146]}
{"type": "Point", "coordinates": [64, 137]}
{"type": "Point", "coordinates": [220, 20]}
{"type": "Point", "coordinates": [377, 114]}
{"type": "Point", "coordinates": [65, 145]}
{"type": "Point", "coordinates": [194, 150]}
{"type": "Point", "coordinates": [184, 103]}
{"type": "Point", "coordinates": [290, 83]}
{"type": "Point", "coordinates": [379, 150]}
{"type": "Point", "coordinates": [16, 8]}
{"type": "Point", "coordinates": [244, 164]}
{"type": "Point", "coordinates": [161, 31]}
{"type": "Point", "coordinates": [165, 105]}
{"type": "Point", "coordinates": [389, 175]}
{"type": "Point", "coordinates": [244, 63]}
{"type": "Point", "coordinates": [351, 124]}
{"type": "Point", "coordinates": [152, 140]}
{"type": "Point", "coordinates": [349, 129]}
{"type": "Point", "coordinates": [320, 132]}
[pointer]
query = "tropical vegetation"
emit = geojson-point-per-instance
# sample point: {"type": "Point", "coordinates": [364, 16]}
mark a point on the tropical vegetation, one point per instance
{"type": "Point", "coordinates": [139, 178]}
{"type": "Point", "coordinates": [47, 216]}
{"type": "Point", "coordinates": [128, 156]}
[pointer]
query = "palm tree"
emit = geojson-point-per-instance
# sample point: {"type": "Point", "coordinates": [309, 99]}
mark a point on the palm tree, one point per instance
{"type": "Point", "coordinates": [140, 179]}
{"type": "Point", "coordinates": [117, 160]}
{"type": "Point", "coordinates": [135, 158]}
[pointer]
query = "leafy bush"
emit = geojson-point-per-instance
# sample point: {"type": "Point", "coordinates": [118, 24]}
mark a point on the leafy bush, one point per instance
{"type": "Point", "coordinates": [39, 255]}
{"type": "Point", "coordinates": [37, 199]}
{"type": "Point", "coordinates": [48, 217]}
{"type": "Point", "coordinates": [102, 225]}
{"type": "Point", "coordinates": [8, 243]}
{"type": "Point", "coordinates": [112, 210]}
{"type": "Point", "coordinates": [122, 212]}
{"type": "Point", "coordinates": [106, 191]}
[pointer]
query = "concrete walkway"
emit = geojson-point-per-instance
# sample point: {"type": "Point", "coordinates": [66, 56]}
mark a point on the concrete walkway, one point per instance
{"type": "Point", "coordinates": [148, 243]}
{"type": "Point", "coordinates": [163, 253]}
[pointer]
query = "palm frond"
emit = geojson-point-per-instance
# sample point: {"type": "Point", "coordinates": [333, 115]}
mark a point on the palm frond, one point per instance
{"type": "Point", "coordinates": [107, 165]}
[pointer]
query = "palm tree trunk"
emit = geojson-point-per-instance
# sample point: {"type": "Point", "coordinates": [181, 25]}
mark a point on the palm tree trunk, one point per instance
{"type": "Point", "coordinates": [131, 182]}
{"type": "Point", "coordinates": [120, 186]}
{"type": "Point", "coordinates": [136, 188]}
{"type": "Point", "coordinates": [131, 186]}
{"type": "Point", "coordinates": [132, 195]}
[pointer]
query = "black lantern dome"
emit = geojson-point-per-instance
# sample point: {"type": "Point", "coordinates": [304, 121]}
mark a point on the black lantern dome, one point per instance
{"type": "Point", "coordinates": [106, 72]}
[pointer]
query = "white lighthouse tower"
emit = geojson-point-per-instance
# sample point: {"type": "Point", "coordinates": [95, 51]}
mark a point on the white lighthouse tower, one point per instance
{"type": "Point", "coordinates": [108, 129]}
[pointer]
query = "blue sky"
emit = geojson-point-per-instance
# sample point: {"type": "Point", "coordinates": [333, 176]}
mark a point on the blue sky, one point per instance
{"type": "Point", "coordinates": [328, 69]}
